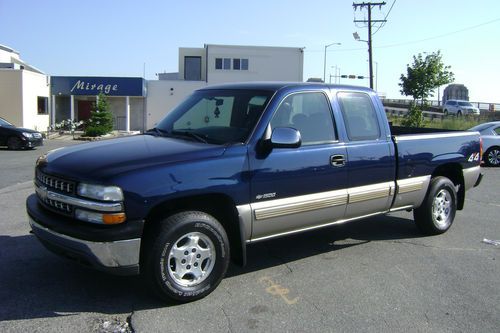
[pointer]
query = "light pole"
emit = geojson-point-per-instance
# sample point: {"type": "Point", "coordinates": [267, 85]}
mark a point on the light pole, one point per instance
{"type": "Point", "coordinates": [324, 59]}
{"type": "Point", "coordinates": [369, 42]}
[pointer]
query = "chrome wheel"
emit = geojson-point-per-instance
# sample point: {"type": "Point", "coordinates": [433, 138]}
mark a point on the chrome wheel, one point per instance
{"type": "Point", "coordinates": [441, 208]}
{"type": "Point", "coordinates": [191, 259]}
{"type": "Point", "coordinates": [494, 157]}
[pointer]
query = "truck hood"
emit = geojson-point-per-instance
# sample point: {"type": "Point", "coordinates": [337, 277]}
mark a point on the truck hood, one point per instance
{"type": "Point", "coordinates": [101, 160]}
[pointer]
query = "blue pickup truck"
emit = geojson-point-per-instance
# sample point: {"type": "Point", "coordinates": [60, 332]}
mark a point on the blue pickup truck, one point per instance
{"type": "Point", "coordinates": [237, 164]}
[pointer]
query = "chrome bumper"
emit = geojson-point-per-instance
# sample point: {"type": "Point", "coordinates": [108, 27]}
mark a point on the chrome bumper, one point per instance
{"type": "Point", "coordinates": [119, 257]}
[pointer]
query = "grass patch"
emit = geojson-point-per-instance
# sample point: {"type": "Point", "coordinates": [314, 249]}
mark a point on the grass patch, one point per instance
{"type": "Point", "coordinates": [449, 123]}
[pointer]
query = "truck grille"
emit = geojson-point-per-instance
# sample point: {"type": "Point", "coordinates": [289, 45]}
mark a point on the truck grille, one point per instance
{"type": "Point", "coordinates": [58, 206]}
{"type": "Point", "coordinates": [47, 182]}
{"type": "Point", "coordinates": [55, 183]}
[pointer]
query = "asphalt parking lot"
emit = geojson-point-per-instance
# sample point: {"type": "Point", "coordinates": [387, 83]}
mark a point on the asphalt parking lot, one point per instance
{"type": "Point", "coordinates": [378, 274]}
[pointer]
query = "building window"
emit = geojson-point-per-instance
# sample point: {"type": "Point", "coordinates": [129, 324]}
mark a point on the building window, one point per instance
{"type": "Point", "coordinates": [244, 64]}
{"type": "Point", "coordinates": [218, 63]}
{"type": "Point", "coordinates": [43, 105]}
{"type": "Point", "coordinates": [222, 63]}
{"type": "Point", "coordinates": [236, 64]}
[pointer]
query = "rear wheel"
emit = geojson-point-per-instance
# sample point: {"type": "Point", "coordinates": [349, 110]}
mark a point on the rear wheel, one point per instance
{"type": "Point", "coordinates": [14, 143]}
{"type": "Point", "coordinates": [492, 156]}
{"type": "Point", "coordinates": [187, 257]}
{"type": "Point", "coordinates": [437, 212]}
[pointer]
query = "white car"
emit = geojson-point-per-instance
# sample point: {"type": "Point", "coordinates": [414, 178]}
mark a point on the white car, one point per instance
{"type": "Point", "coordinates": [459, 108]}
{"type": "Point", "coordinates": [490, 133]}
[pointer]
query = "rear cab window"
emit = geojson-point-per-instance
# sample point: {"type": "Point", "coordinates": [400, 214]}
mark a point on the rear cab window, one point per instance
{"type": "Point", "coordinates": [360, 116]}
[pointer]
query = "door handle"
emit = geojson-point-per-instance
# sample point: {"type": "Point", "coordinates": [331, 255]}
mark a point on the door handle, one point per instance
{"type": "Point", "coordinates": [337, 160]}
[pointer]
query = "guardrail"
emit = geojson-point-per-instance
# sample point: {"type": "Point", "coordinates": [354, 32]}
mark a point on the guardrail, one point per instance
{"type": "Point", "coordinates": [437, 104]}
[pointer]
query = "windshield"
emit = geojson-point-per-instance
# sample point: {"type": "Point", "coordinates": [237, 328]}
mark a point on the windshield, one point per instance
{"type": "Point", "coordinates": [215, 116]}
{"type": "Point", "coordinates": [464, 104]}
{"type": "Point", "coordinates": [4, 122]}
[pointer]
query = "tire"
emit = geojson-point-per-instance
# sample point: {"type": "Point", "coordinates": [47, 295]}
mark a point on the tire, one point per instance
{"type": "Point", "coordinates": [492, 157]}
{"type": "Point", "coordinates": [459, 113]}
{"type": "Point", "coordinates": [187, 258]}
{"type": "Point", "coordinates": [437, 212]}
{"type": "Point", "coordinates": [14, 143]}
{"type": "Point", "coordinates": [445, 112]}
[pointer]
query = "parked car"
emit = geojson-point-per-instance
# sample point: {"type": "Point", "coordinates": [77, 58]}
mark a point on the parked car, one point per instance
{"type": "Point", "coordinates": [17, 137]}
{"type": "Point", "coordinates": [459, 108]}
{"type": "Point", "coordinates": [490, 133]}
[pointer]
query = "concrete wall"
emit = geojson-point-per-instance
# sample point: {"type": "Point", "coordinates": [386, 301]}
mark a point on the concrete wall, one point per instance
{"type": "Point", "coordinates": [33, 86]}
{"type": "Point", "coordinates": [264, 64]}
{"type": "Point", "coordinates": [11, 96]}
{"type": "Point", "coordinates": [163, 96]}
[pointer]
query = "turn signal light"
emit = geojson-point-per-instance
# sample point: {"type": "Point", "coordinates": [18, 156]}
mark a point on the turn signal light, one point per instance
{"type": "Point", "coordinates": [114, 218]}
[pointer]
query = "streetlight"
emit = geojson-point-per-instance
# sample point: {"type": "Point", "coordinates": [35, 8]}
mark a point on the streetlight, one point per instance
{"type": "Point", "coordinates": [324, 62]}
{"type": "Point", "coordinates": [369, 42]}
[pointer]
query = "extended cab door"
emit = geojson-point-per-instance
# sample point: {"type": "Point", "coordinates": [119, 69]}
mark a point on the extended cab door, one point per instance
{"type": "Point", "coordinates": [371, 164]}
{"type": "Point", "coordinates": [299, 188]}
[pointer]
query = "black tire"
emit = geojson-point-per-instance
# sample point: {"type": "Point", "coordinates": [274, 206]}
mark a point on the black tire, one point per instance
{"type": "Point", "coordinates": [187, 257]}
{"type": "Point", "coordinates": [14, 143]}
{"type": "Point", "coordinates": [459, 113]}
{"type": "Point", "coordinates": [492, 157]}
{"type": "Point", "coordinates": [437, 212]}
{"type": "Point", "coordinates": [445, 112]}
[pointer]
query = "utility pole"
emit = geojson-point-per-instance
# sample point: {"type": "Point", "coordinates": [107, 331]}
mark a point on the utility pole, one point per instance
{"type": "Point", "coordinates": [370, 5]}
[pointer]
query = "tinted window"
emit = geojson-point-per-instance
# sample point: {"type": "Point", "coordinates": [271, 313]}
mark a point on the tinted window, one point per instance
{"type": "Point", "coordinates": [497, 130]}
{"type": "Point", "coordinates": [359, 115]}
{"type": "Point", "coordinates": [310, 114]}
{"type": "Point", "coordinates": [464, 104]}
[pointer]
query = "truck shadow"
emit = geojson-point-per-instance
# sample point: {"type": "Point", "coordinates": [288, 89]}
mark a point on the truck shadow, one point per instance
{"type": "Point", "coordinates": [38, 284]}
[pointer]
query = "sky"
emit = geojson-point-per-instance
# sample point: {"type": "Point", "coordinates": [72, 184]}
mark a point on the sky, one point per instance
{"type": "Point", "coordinates": [129, 38]}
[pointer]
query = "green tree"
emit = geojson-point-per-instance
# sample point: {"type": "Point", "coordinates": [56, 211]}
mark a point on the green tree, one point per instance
{"type": "Point", "coordinates": [422, 77]}
{"type": "Point", "coordinates": [101, 120]}
{"type": "Point", "coordinates": [425, 75]}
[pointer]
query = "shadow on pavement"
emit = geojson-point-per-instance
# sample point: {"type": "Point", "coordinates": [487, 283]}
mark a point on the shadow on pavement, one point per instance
{"type": "Point", "coordinates": [37, 284]}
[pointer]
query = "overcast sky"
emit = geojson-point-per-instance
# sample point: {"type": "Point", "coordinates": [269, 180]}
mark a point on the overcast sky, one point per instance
{"type": "Point", "coordinates": [116, 38]}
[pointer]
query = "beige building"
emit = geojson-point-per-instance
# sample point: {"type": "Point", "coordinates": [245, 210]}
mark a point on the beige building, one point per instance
{"type": "Point", "coordinates": [24, 92]}
{"type": "Point", "coordinates": [216, 64]}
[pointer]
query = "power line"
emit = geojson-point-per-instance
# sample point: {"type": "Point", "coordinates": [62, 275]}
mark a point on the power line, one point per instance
{"type": "Point", "coordinates": [417, 40]}
{"type": "Point", "coordinates": [385, 18]}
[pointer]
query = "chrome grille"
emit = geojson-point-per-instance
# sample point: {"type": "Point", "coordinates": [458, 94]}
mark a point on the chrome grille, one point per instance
{"type": "Point", "coordinates": [60, 206]}
{"type": "Point", "coordinates": [55, 183]}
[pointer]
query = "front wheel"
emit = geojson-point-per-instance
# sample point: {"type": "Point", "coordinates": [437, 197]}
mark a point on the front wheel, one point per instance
{"type": "Point", "coordinates": [437, 212]}
{"type": "Point", "coordinates": [492, 156]}
{"type": "Point", "coordinates": [188, 256]}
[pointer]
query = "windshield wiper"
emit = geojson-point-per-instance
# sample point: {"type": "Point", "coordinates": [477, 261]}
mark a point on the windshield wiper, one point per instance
{"type": "Point", "coordinates": [190, 134]}
{"type": "Point", "coordinates": [157, 132]}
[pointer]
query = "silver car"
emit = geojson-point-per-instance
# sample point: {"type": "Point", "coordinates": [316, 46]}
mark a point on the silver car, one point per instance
{"type": "Point", "coordinates": [459, 108]}
{"type": "Point", "coordinates": [490, 133]}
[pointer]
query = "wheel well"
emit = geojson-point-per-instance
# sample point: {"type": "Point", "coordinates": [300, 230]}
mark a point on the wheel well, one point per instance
{"type": "Point", "coordinates": [220, 206]}
{"type": "Point", "coordinates": [454, 173]}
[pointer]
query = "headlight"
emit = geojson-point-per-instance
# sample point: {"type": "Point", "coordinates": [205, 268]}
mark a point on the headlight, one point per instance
{"type": "Point", "coordinates": [99, 192]}
{"type": "Point", "coordinates": [28, 135]}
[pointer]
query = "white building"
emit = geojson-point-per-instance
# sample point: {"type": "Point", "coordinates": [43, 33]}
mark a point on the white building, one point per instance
{"type": "Point", "coordinates": [24, 92]}
{"type": "Point", "coordinates": [215, 64]}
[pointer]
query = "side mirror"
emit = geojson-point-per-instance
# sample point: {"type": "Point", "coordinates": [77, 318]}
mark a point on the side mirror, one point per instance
{"type": "Point", "coordinates": [285, 137]}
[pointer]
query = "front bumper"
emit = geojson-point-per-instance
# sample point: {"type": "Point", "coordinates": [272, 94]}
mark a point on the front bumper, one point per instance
{"type": "Point", "coordinates": [115, 249]}
{"type": "Point", "coordinates": [32, 143]}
